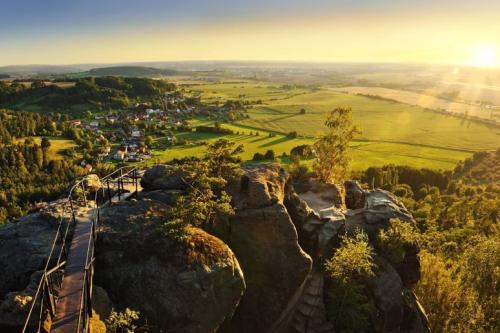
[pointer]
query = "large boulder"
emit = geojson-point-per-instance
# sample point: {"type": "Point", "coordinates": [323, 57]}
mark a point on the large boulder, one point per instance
{"type": "Point", "coordinates": [387, 290]}
{"type": "Point", "coordinates": [354, 195]}
{"type": "Point", "coordinates": [379, 208]}
{"type": "Point", "coordinates": [191, 285]}
{"type": "Point", "coordinates": [264, 239]}
{"type": "Point", "coordinates": [162, 177]}
{"type": "Point", "coordinates": [24, 249]}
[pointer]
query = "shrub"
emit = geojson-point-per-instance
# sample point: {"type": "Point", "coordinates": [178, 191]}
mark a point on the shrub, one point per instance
{"type": "Point", "coordinates": [393, 241]}
{"type": "Point", "coordinates": [122, 322]}
{"type": "Point", "coordinates": [348, 306]}
{"type": "Point", "coordinates": [269, 155]}
{"type": "Point", "coordinates": [174, 229]}
{"type": "Point", "coordinates": [258, 157]}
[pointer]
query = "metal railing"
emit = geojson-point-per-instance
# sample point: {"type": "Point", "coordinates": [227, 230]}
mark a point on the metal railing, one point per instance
{"type": "Point", "coordinates": [110, 188]}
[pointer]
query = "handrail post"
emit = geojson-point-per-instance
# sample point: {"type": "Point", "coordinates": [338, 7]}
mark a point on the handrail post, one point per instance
{"type": "Point", "coordinates": [109, 191]}
{"type": "Point", "coordinates": [84, 196]}
{"type": "Point", "coordinates": [72, 209]}
{"type": "Point", "coordinates": [49, 297]}
{"type": "Point", "coordinates": [135, 179]}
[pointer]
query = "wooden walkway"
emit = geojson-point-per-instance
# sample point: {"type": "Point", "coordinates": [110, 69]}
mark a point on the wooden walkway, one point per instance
{"type": "Point", "coordinates": [70, 296]}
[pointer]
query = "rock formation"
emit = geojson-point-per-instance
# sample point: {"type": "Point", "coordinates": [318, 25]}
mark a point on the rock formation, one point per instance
{"type": "Point", "coordinates": [264, 239]}
{"type": "Point", "coordinates": [176, 287]}
{"type": "Point", "coordinates": [260, 270]}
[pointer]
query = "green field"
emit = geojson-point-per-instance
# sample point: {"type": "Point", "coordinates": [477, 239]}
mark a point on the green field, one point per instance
{"type": "Point", "coordinates": [364, 153]}
{"type": "Point", "coordinates": [391, 132]}
{"type": "Point", "coordinates": [57, 146]}
{"type": "Point", "coordinates": [425, 101]}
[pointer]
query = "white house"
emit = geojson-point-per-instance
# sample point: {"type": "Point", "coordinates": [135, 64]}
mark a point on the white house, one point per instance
{"type": "Point", "coordinates": [136, 133]}
{"type": "Point", "coordinates": [119, 155]}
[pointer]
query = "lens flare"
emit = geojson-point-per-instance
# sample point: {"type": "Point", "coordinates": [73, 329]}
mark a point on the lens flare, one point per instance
{"type": "Point", "coordinates": [485, 56]}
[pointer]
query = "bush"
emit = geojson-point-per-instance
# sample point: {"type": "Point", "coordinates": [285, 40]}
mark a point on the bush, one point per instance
{"type": "Point", "coordinates": [215, 129]}
{"type": "Point", "coordinates": [269, 155]}
{"type": "Point", "coordinates": [347, 304]}
{"type": "Point", "coordinates": [175, 230]}
{"type": "Point", "coordinates": [393, 241]}
{"type": "Point", "coordinates": [258, 157]}
{"type": "Point", "coordinates": [122, 322]}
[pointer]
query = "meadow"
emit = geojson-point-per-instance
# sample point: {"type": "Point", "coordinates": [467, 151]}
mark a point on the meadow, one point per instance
{"type": "Point", "coordinates": [391, 132]}
{"type": "Point", "coordinates": [425, 101]}
{"type": "Point", "coordinates": [363, 153]}
{"type": "Point", "coordinates": [57, 145]}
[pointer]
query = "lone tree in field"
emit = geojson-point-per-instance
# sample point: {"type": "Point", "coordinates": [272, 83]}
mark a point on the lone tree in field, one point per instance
{"type": "Point", "coordinates": [331, 148]}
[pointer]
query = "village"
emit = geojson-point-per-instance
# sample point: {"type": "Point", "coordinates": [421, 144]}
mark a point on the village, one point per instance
{"type": "Point", "coordinates": [127, 136]}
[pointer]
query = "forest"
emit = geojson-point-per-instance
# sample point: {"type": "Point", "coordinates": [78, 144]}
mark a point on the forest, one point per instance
{"type": "Point", "coordinates": [100, 92]}
{"type": "Point", "coordinates": [28, 174]}
{"type": "Point", "coordinates": [457, 229]}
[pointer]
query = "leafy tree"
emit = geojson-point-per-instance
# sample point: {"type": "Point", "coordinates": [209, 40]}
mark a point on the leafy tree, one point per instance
{"type": "Point", "coordinates": [222, 158]}
{"type": "Point", "coordinates": [331, 148]}
{"type": "Point", "coordinates": [269, 155]}
{"type": "Point", "coordinates": [348, 307]}
{"type": "Point", "coordinates": [45, 143]}
{"type": "Point", "coordinates": [480, 271]}
{"type": "Point", "coordinates": [449, 307]}
{"type": "Point", "coordinates": [393, 241]}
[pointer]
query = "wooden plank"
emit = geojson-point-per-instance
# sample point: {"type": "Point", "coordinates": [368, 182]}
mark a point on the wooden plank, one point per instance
{"type": "Point", "coordinates": [68, 306]}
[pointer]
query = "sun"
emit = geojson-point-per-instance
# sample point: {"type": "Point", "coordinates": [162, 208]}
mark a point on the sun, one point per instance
{"type": "Point", "coordinates": [484, 56]}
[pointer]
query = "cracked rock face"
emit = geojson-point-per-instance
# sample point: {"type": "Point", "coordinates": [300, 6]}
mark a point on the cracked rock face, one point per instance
{"type": "Point", "coordinates": [264, 239]}
{"type": "Point", "coordinates": [24, 248]}
{"type": "Point", "coordinates": [178, 287]}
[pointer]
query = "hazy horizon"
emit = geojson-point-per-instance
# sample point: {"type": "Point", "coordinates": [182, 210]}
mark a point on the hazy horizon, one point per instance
{"type": "Point", "coordinates": [58, 32]}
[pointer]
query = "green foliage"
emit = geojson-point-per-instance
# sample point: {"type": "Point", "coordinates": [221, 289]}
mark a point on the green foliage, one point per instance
{"type": "Point", "coordinates": [393, 241]}
{"type": "Point", "coordinates": [331, 148]}
{"type": "Point", "coordinates": [103, 92]}
{"type": "Point", "coordinates": [222, 159]}
{"type": "Point", "coordinates": [348, 306]}
{"type": "Point", "coordinates": [122, 322]}
{"type": "Point", "coordinates": [174, 229]}
{"type": "Point", "coordinates": [206, 200]}
{"type": "Point", "coordinates": [29, 175]}
{"type": "Point", "coordinates": [450, 306]}
{"type": "Point", "coordinates": [353, 260]}
{"type": "Point", "coordinates": [480, 272]}
{"type": "Point", "coordinates": [268, 156]}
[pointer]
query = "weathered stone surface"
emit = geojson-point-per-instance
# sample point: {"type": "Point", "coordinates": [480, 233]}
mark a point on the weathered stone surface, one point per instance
{"type": "Point", "coordinates": [24, 248]}
{"type": "Point", "coordinates": [178, 287]}
{"type": "Point", "coordinates": [319, 195]}
{"type": "Point", "coordinates": [162, 177]}
{"type": "Point", "coordinates": [409, 268]}
{"type": "Point", "coordinates": [380, 206]}
{"type": "Point", "coordinates": [354, 195]}
{"type": "Point", "coordinates": [387, 289]}
{"type": "Point", "coordinates": [259, 187]}
{"type": "Point", "coordinates": [415, 319]}
{"type": "Point", "coordinates": [14, 308]}
{"type": "Point", "coordinates": [167, 197]}
{"type": "Point", "coordinates": [264, 239]}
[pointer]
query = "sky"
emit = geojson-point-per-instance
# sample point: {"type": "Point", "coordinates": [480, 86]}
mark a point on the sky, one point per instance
{"type": "Point", "coordinates": [107, 31]}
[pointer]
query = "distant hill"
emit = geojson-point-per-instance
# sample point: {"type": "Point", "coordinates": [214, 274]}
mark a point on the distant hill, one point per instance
{"type": "Point", "coordinates": [132, 71]}
{"type": "Point", "coordinates": [36, 70]}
